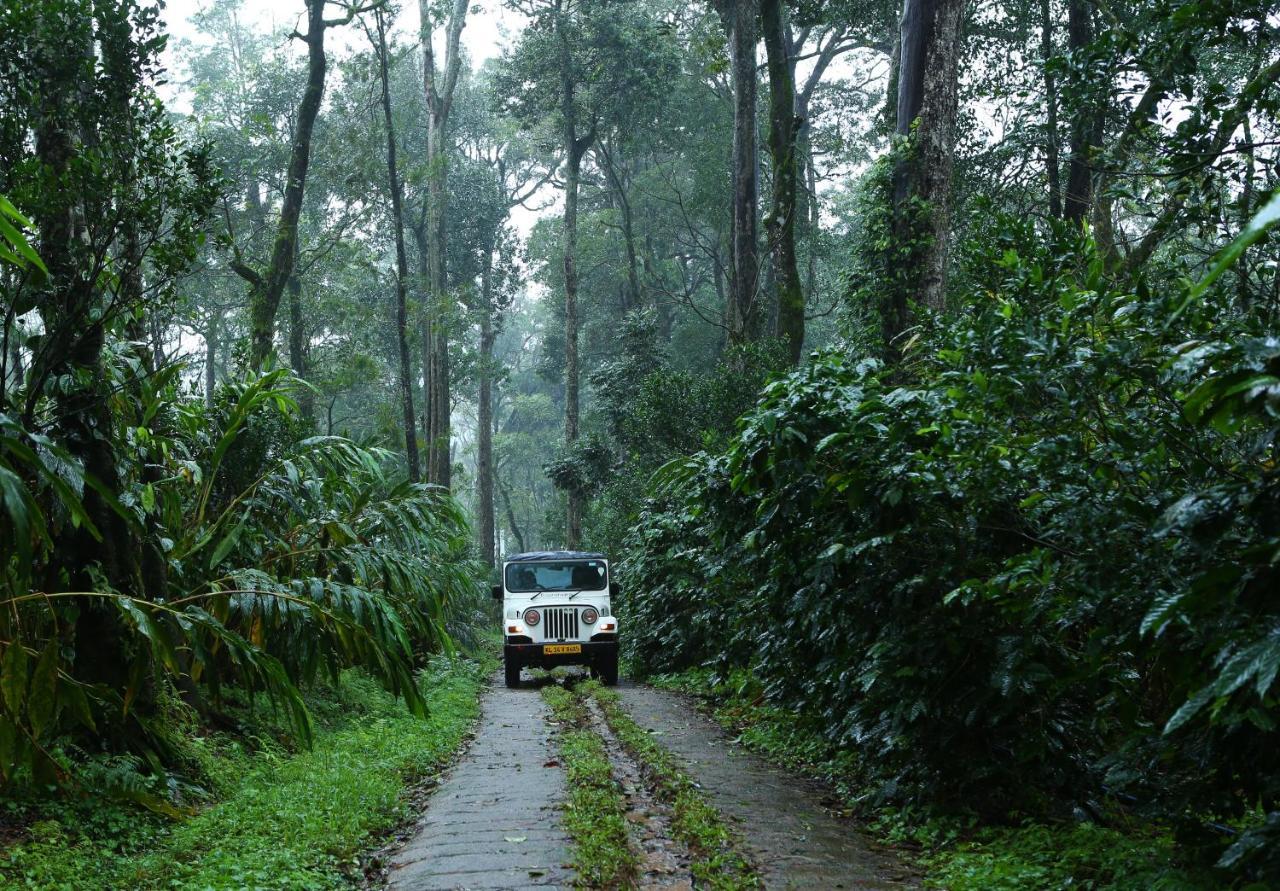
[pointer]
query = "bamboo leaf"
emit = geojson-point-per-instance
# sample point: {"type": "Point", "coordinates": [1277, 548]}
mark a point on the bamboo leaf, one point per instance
{"type": "Point", "coordinates": [13, 678]}
{"type": "Point", "coordinates": [42, 707]}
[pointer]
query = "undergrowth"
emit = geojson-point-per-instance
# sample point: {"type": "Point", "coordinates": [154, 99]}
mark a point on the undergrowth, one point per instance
{"type": "Point", "coordinates": [275, 815]}
{"type": "Point", "coordinates": [953, 851]}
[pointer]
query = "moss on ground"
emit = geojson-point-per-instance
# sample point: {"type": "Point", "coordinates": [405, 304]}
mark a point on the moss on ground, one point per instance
{"type": "Point", "coordinates": [594, 807]}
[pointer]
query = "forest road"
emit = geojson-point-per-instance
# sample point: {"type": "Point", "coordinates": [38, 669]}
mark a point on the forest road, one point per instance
{"type": "Point", "coordinates": [495, 820]}
{"type": "Point", "coordinates": [792, 838]}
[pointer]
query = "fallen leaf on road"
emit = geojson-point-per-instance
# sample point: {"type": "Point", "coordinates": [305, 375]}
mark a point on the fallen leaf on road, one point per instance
{"type": "Point", "coordinates": [515, 839]}
{"type": "Point", "coordinates": [552, 763]}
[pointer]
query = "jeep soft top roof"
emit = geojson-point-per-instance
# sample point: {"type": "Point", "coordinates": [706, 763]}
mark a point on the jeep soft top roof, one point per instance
{"type": "Point", "coordinates": [536, 556]}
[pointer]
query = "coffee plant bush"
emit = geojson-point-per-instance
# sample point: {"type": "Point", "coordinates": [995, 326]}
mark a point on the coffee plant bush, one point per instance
{"type": "Point", "coordinates": [1028, 569]}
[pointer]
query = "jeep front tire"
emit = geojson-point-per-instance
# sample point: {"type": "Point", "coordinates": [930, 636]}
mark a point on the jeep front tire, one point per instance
{"type": "Point", "coordinates": [511, 669]}
{"type": "Point", "coordinates": [607, 669]}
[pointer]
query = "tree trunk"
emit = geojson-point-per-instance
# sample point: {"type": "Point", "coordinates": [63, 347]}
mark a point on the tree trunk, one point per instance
{"type": "Point", "coordinates": [484, 417]}
{"type": "Point", "coordinates": [1084, 123]}
{"type": "Point", "coordinates": [439, 98]}
{"type": "Point", "coordinates": [781, 222]}
{"type": "Point", "coordinates": [575, 147]}
{"type": "Point", "coordinates": [614, 174]}
{"type": "Point", "coordinates": [573, 520]}
{"type": "Point", "coordinates": [298, 342]}
{"type": "Point", "coordinates": [212, 333]}
{"type": "Point", "coordinates": [267, 288]}
{"type": "Point", "coordinates": [72, 315]}
{"type": "Point", "coordinates": [889, 115]}
{"type": "Point", "coordinates": [402, 265]}
{"type": "Point", "coordinates": [926, 119]}
{"type": "Point", "coordinates": [511, 517]}
{"type": "Point", "coordinates": [742, 315]}
{"type": "Point", "coordinates": [1051, 110]}
{"type": "Point", "coordinates": [437, 368]}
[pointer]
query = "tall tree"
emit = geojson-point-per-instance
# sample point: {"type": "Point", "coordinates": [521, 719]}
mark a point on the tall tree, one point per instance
{"type": "Point", "coordinates": [438, 87]}
{"type": "Point", "coordinates": [117, 199]}
{"type": "Point", "coordinates": [743, 312]}
{"type": "Point", "coordinates": [784, 125]}
{"type": "Point", "coordinates": [512, 175]}
{"type": "Point", "coordinates": [575, 140]}
{"type": "Point", "coordinates": [267, 286]}
{"type": "Point", "coordinates": [402, 265]}
{"type": "Point", "coordinates": [1051, 109]}
{"type": "Point", "coordinates": [928, 72]}
{"type": "Point", "coordinates": [1086, 122]}
{"type": "Point", "coordinates": [593, 94]}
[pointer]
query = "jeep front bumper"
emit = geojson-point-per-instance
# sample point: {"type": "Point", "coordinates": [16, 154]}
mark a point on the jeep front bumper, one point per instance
{"type": "Point", "coordinates": [601, 648]}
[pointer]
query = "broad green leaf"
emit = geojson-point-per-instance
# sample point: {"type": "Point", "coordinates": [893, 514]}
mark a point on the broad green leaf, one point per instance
{"type": "Point", "coordinates": [13, 677]}
{"type": "Point", "coordinates": [42, 704]}
{"type": "Point", "coordinates": [1263, 220]}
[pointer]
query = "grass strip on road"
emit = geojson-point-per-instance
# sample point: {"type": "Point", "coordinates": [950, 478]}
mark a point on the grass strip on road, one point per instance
{"type": "Point", "coordinates": [595, 808]}
{"type": "Point", "coordinates": [718, 860]}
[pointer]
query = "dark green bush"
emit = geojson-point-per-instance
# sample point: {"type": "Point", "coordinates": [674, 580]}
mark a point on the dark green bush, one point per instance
{"type": "Point", "coordinates": [1002, 570]}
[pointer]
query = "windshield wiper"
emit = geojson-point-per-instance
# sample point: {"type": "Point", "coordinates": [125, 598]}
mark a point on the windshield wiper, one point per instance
{"type": "Point", "coordinates": [538, 593]}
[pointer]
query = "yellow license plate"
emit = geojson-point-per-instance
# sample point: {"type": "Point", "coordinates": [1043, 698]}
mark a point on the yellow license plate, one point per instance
{"type": "Point", "coordinates": [560, 649]}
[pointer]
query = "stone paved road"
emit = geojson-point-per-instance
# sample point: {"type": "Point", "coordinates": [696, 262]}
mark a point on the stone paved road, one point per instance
{"type": "Point", "coordinates": [495, 820]}
{"type": "Point", "coordinates": [795, 842]}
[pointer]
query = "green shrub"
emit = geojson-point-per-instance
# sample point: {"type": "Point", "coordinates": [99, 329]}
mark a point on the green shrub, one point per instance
{"type": "Point", "coordinates": [286, 817]}
{"type": "Point", "coordinates": [1003, 570]}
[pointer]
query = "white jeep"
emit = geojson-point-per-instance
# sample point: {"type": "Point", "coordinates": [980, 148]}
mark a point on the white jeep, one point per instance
{"type": "Point", "coordinates": [556, 611]}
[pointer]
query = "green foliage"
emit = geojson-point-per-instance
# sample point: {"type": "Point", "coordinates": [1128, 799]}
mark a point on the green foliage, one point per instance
{"type": "Point", "coordinates": [14, 247]}
{"type": "Point", "coordinates": [1083, 855]}
{"type": "Point", "coordinates": [319, 562]}
{"type": "Point", "coordinates": [286, 818]}
{"type": "Point", "coordinates": [654, 410]}
{"type": "Point", "coordinates": [1023, 555]}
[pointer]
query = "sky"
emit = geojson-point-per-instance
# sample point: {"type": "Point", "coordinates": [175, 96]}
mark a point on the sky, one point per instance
{"type": "Point", "coordinates": [490, 27]}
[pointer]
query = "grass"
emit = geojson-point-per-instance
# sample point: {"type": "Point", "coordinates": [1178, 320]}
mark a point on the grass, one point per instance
{"type": "Point", "coordinates": [1082, 855]}
{"type": "Point", "coordinates": [717, 863]}
{"type": "Point", "coordinates": [283, 818]}
{"type": "Point", "coordinates": [954, 853]}
{"type": "Point", "coordinates": [594, 809]}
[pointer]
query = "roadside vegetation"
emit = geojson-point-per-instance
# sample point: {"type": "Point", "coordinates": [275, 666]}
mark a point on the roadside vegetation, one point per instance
{"type": "Point", "coordinates": [264, 810]}
{"type": "Point", "coordinates": [954, 852]}
{"type": "Point", "coordinates": [952, 563]}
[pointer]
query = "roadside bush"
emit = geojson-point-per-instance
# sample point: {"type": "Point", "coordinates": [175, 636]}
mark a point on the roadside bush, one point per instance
{"type": "Point", "coordinates": [281, 558]}
{"type": "Point", "coordinates": [1003, 571]}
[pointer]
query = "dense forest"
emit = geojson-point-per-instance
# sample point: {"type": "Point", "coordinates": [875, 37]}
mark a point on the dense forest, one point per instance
{"type": "Point", "coordinates": [917, 360]}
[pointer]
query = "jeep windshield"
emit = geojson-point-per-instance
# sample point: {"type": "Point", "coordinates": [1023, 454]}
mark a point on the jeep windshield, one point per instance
{"type": "Point", "coordinates": [569, 575]}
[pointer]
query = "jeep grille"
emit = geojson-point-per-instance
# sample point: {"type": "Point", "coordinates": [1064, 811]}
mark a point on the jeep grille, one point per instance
{"type": "Point", "coordinates": [560, 623]}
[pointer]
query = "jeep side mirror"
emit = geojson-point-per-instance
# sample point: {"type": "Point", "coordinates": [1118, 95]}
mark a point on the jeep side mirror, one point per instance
{"type": "Point", "coordinates": [614, 590]}
{"type": "Point", "coordinates": [497, 592]}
